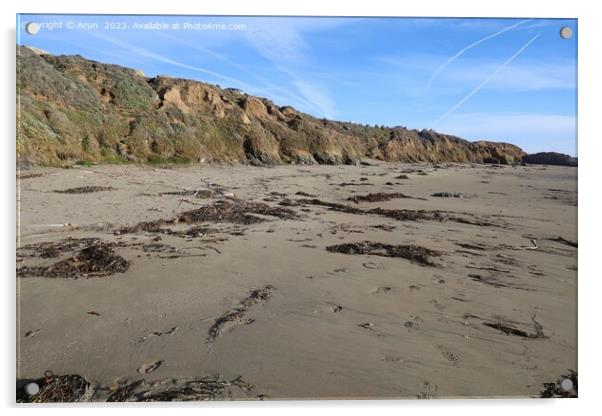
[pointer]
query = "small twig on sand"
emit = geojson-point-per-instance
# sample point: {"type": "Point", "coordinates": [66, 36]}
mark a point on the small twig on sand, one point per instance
{"type": "Point", "coordinates": [213, 248]}
{"type": "Point", "coordinates": [211, 186]}
{"type": "Point", "coordinates": [534, 247]}
{"type": "Point", "coordinates": [187, 201]}
{"type": "Point", "coordinates": [564, 241]}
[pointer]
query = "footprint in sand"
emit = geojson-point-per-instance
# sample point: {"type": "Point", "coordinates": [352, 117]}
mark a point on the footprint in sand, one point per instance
{"type": "Point", "coordinates": [437, 305]}
{"type": "Point", "coordinates": [371, 265]}
{"type": "Point", "coordinates": [169, 331]}
{"type": "Point", "coordinates": [411, 325]}
{"type": "Point", "coordinates": [391, 359]}
{"type": "Point", "coordinates": [370, 327]}
{"type": "Point", "coordinates": [381, 289]}
{"type": "Point", "coordinates": [32, 333]}
{"type": "Point", "coordinates": [429, 390]}
{"type": "Point", "coordinates": [449, 356]}
{"type": "Point", "coordinates": [150, 367]}
{"type": "Point", "coordinates": [414, 322]}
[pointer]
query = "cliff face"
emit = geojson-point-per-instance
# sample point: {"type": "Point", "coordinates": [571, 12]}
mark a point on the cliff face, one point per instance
{"type": "Point", "coordinates": [73, 109]}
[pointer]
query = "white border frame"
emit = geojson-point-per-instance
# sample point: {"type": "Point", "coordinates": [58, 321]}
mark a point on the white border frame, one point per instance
{"type": "Point", "coordinates": [590, 32]}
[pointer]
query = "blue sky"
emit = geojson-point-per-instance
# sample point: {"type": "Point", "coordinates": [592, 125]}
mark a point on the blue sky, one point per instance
{"type": "Point", "coordinates": [508, 80]}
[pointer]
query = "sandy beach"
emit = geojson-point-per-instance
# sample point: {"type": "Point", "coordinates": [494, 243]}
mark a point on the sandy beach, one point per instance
{"type": "Point", "coordinates": [297, 282]}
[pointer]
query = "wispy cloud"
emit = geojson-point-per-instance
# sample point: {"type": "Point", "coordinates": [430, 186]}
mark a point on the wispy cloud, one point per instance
{"type": "Point", "coordinates": [406, 76]}
{"type": "Point", "coordinates": [161, 58]}
{"type": "Point", "coordinates": [486, 80]}
{"type": "Point", "coordinates": [271, 90]}
{"type": "Point", "coordinates": [450, 60]}
{"type": "Point", "coordinates": [283, 46]}
{"type": "Point", "coordinates": [316, 94]}
{"type": "Point", "coordinates": [282, 43]}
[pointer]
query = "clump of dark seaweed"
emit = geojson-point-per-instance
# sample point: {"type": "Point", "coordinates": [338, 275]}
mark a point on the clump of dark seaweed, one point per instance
{"type": "Point", "coordinates": [229, 210]}
{"type": "Point", "coordinates": [147, 226]}
{"type": "Point", "coordinates": [414, 253]}
{"type": "Point", "coordinates": [509, 328]}
{"type": "Point", "coordinates": [561, 388]}
{"type": "Point", "coordinates": [188, 389]}
{"type": "Point", "coordinates": [55, 389]}
{"type": "Point", "coordinates": [301, 193]}
{"type": "Point", "coordinates": [51, 249]}
{"type": "Point", "coordinates": [198, 193]}
{"type": "Point", "coordinates": [156, 247]}
{"type": "Point", "coordinates": [448, 195]}
{"type": "Point", "coordinates": [397, 214]}
{"type": "Point", "coordinates": [197, 231]}
{"type": "Point", "coordinates": [471, 246]}
{"type": "Point", "coordinates": [29, 175]}
{"type": "Point", "coordinates": [343, 184]}
{"type": "Point", "coordinates": [85, 190]}
{"type": "Point", "coordinates": [377, 197]}
{"type": "Point", "coordinates": [562, 240]}
{"type": "Point", "coordinates": [410, 214]}
{"type": "Point", "coordinates": [235, 211]}
{"type": "Point", "coordinates": [97, 260]}
{"type": "Point", "coordinates": [75, 388]}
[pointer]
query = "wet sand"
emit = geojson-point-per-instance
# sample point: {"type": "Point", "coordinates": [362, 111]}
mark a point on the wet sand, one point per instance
{"type": "Point", "coordinates": [316, 294]}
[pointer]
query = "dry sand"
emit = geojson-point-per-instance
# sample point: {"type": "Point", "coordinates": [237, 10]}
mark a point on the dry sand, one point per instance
{"type": "Point", "coordinates": [493, 317]}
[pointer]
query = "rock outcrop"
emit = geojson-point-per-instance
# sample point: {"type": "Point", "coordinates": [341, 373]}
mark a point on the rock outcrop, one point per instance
{"type": "Point", "coordinates": [74, 109]}
{"type": "Point", "coordinates": [550, 158]}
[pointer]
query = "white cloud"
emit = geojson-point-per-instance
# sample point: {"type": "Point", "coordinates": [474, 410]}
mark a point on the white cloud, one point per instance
{"type": "Point", "coordinates": [160, 58]}
{"type": "Point", "coordinates": [282, 43]}
{"type": "Point", "coordinates": [318, 96]}
{"type": "Point", "coordinates": [272, 91]}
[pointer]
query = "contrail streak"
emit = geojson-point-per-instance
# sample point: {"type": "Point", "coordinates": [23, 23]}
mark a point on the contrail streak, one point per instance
{"type": "Point", "coordinates": [165, 59]}
{"type": "Point", "coordinates": [489, 78]}
{"type": "Point", "coordinates": [277, 92]}
{"type": "Point", "coordinates": [161, 58]}
{"type": "Point", "coordinates": [472, 45]}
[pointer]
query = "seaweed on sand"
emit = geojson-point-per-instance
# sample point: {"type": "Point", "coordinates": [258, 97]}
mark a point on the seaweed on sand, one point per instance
{"type": "Point", "coordinates": [397, 214]}
{"type": "Point", "coordinates": [51, 249]}
{"type": "Point", "coordinates": [509, 328]}
{"type": "Point", "coordinates": [96, 260]}
{"type": "Point", "coordinates": [75, 388]}
{"type": "Point", "coordinates": [85, 189]}
{"type": "Point", "coordinates": [56, 389]}
{"type": "Point", "coordinates": [188, 389]}
{"type": "Point", "coordinates": [237, 313]}
{"type": "Point", "coordinates": [414, 253]}
{"type": "Point", "coordinates": [198, 193]}
{"type": "Point", "coordinates": [379, 196]}
{"type": "Point", "coordinates": [234, 211]}
{"type": "Point", "coordinates": [446, 194]}
{"type": "Point", "coordinates": [228, 210]}
{"type": "Point", "coordinates": [561, 388]}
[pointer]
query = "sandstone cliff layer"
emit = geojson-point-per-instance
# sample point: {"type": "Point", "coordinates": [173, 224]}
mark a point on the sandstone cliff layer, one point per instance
{"type": "Point", "coordinates": [73, 109]}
